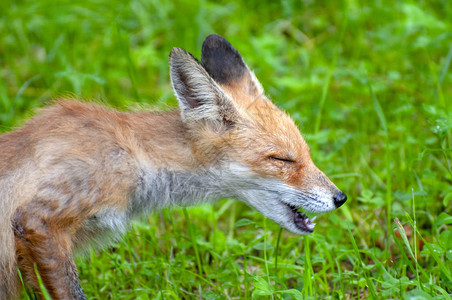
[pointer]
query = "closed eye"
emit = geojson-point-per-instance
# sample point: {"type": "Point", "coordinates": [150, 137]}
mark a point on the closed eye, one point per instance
{"type": "Point", "coordinates": [286, 160]}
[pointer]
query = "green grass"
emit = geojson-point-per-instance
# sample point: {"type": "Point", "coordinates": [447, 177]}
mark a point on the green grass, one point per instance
{"type": "Point", "coordinates": [369, 83]}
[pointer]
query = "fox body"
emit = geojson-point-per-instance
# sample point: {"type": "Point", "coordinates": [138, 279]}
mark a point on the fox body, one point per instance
{"type": "Point", "coordinates": [78, 172]}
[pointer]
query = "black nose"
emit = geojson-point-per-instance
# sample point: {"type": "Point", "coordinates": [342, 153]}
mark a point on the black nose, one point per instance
{"type": "Point", "coordinates": [339, 199]}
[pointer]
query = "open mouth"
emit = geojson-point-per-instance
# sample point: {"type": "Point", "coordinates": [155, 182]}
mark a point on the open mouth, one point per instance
{"type": "Point", "coordinates": [302, 221]}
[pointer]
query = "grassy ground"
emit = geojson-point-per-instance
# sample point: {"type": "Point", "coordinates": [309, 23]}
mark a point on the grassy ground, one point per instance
{"type": "Point", "coordinates": [369, 83]}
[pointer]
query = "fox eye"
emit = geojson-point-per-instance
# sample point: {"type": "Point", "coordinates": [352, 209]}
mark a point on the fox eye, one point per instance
{"type": "Point", "coordinates": [285, 160]}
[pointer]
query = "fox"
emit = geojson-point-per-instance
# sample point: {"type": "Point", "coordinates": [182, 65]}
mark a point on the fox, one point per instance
{"type": "Point", "coordinates": [77, 173]}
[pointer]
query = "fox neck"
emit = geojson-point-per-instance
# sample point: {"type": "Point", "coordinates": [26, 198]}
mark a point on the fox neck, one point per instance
{"type": "Point", "coordinates": [163, 188]}
{"type": "Point", "coordinates": [172, 175]}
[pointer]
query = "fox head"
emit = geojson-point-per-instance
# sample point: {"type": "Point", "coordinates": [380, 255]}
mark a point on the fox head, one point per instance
{"type": "Point", "coordinates": [254, 148]}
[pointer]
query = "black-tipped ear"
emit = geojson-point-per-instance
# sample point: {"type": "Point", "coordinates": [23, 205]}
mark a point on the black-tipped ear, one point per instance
{"type": "Point", "coordinates": [221, 60]}
{"type": "Point", "coordinates": [200, 98]}
{"type": "Point", "coordinates": [226, 66]}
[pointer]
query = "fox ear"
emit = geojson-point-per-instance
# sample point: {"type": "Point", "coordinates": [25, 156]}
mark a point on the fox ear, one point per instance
{"type": "Point", "coordinates": [200, 98]}
{"type": "Point", "coordinates": [226, 66]}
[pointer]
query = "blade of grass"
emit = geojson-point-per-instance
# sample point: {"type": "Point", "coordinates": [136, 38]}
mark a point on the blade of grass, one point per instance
{"type": "Point", "coordinates": [405, 258]}
{"type": "Point", "coordinates": [415, 246]}
{"type": "Point", "coordinates": [331, 70]}
{"type": "Point", "coordinates": [45, 293]}
{"type": "Point", "coordinates": [265, 254]}
{"type": "Point", "coordinates": [307, 274]}
{"type": "Point", "coordinates": [246, 277]}
{"type": "Point", "coordinates": [378, 109]}
{"type": "Point", "coordinates": [440, 263]}
{"type": "Point", "coordinates": [370, 284]}
{"type": "Point", "coordinates": [193, 240]}
{"type": "Point", "coordinates": [277, 250]}
{"type": "Point", "coordinates": [442, 75]}
{"type": "Point", "coordinates": [445, 66]}
{"type": "Point", "coordinates": [404, 237]}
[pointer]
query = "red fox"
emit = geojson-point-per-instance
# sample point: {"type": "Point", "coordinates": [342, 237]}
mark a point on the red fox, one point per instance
{"type": "Point", "coordinates": [78, 172]}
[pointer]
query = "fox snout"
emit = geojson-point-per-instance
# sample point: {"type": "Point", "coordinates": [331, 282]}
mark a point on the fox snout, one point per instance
{"type": "Point", "coordinates": [286, 201]}
{"type": "Point", "coordinates": [323, 192]}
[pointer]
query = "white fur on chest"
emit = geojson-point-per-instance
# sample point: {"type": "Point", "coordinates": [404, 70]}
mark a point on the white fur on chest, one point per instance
{"type": "Point", "coordinates": [154, 190]}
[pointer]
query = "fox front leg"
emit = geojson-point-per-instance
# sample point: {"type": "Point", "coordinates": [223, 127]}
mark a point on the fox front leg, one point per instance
{"type": "Point", "coordinates": [47, 246]}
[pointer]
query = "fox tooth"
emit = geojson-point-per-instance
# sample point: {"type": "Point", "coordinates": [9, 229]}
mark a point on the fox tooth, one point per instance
{"type": "Point", "coordinates": [310, 226]}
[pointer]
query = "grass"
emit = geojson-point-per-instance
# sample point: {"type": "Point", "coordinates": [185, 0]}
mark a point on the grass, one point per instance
{"type": "Point", "coordinates": [369, 83]}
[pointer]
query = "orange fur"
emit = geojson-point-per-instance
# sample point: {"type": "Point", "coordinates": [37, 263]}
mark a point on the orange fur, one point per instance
{"type": "Point", "coordinates": [78, 172]}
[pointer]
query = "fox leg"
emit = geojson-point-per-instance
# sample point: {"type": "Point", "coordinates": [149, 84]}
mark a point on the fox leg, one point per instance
{"type": "Point", "coordinates": [46, 246]}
